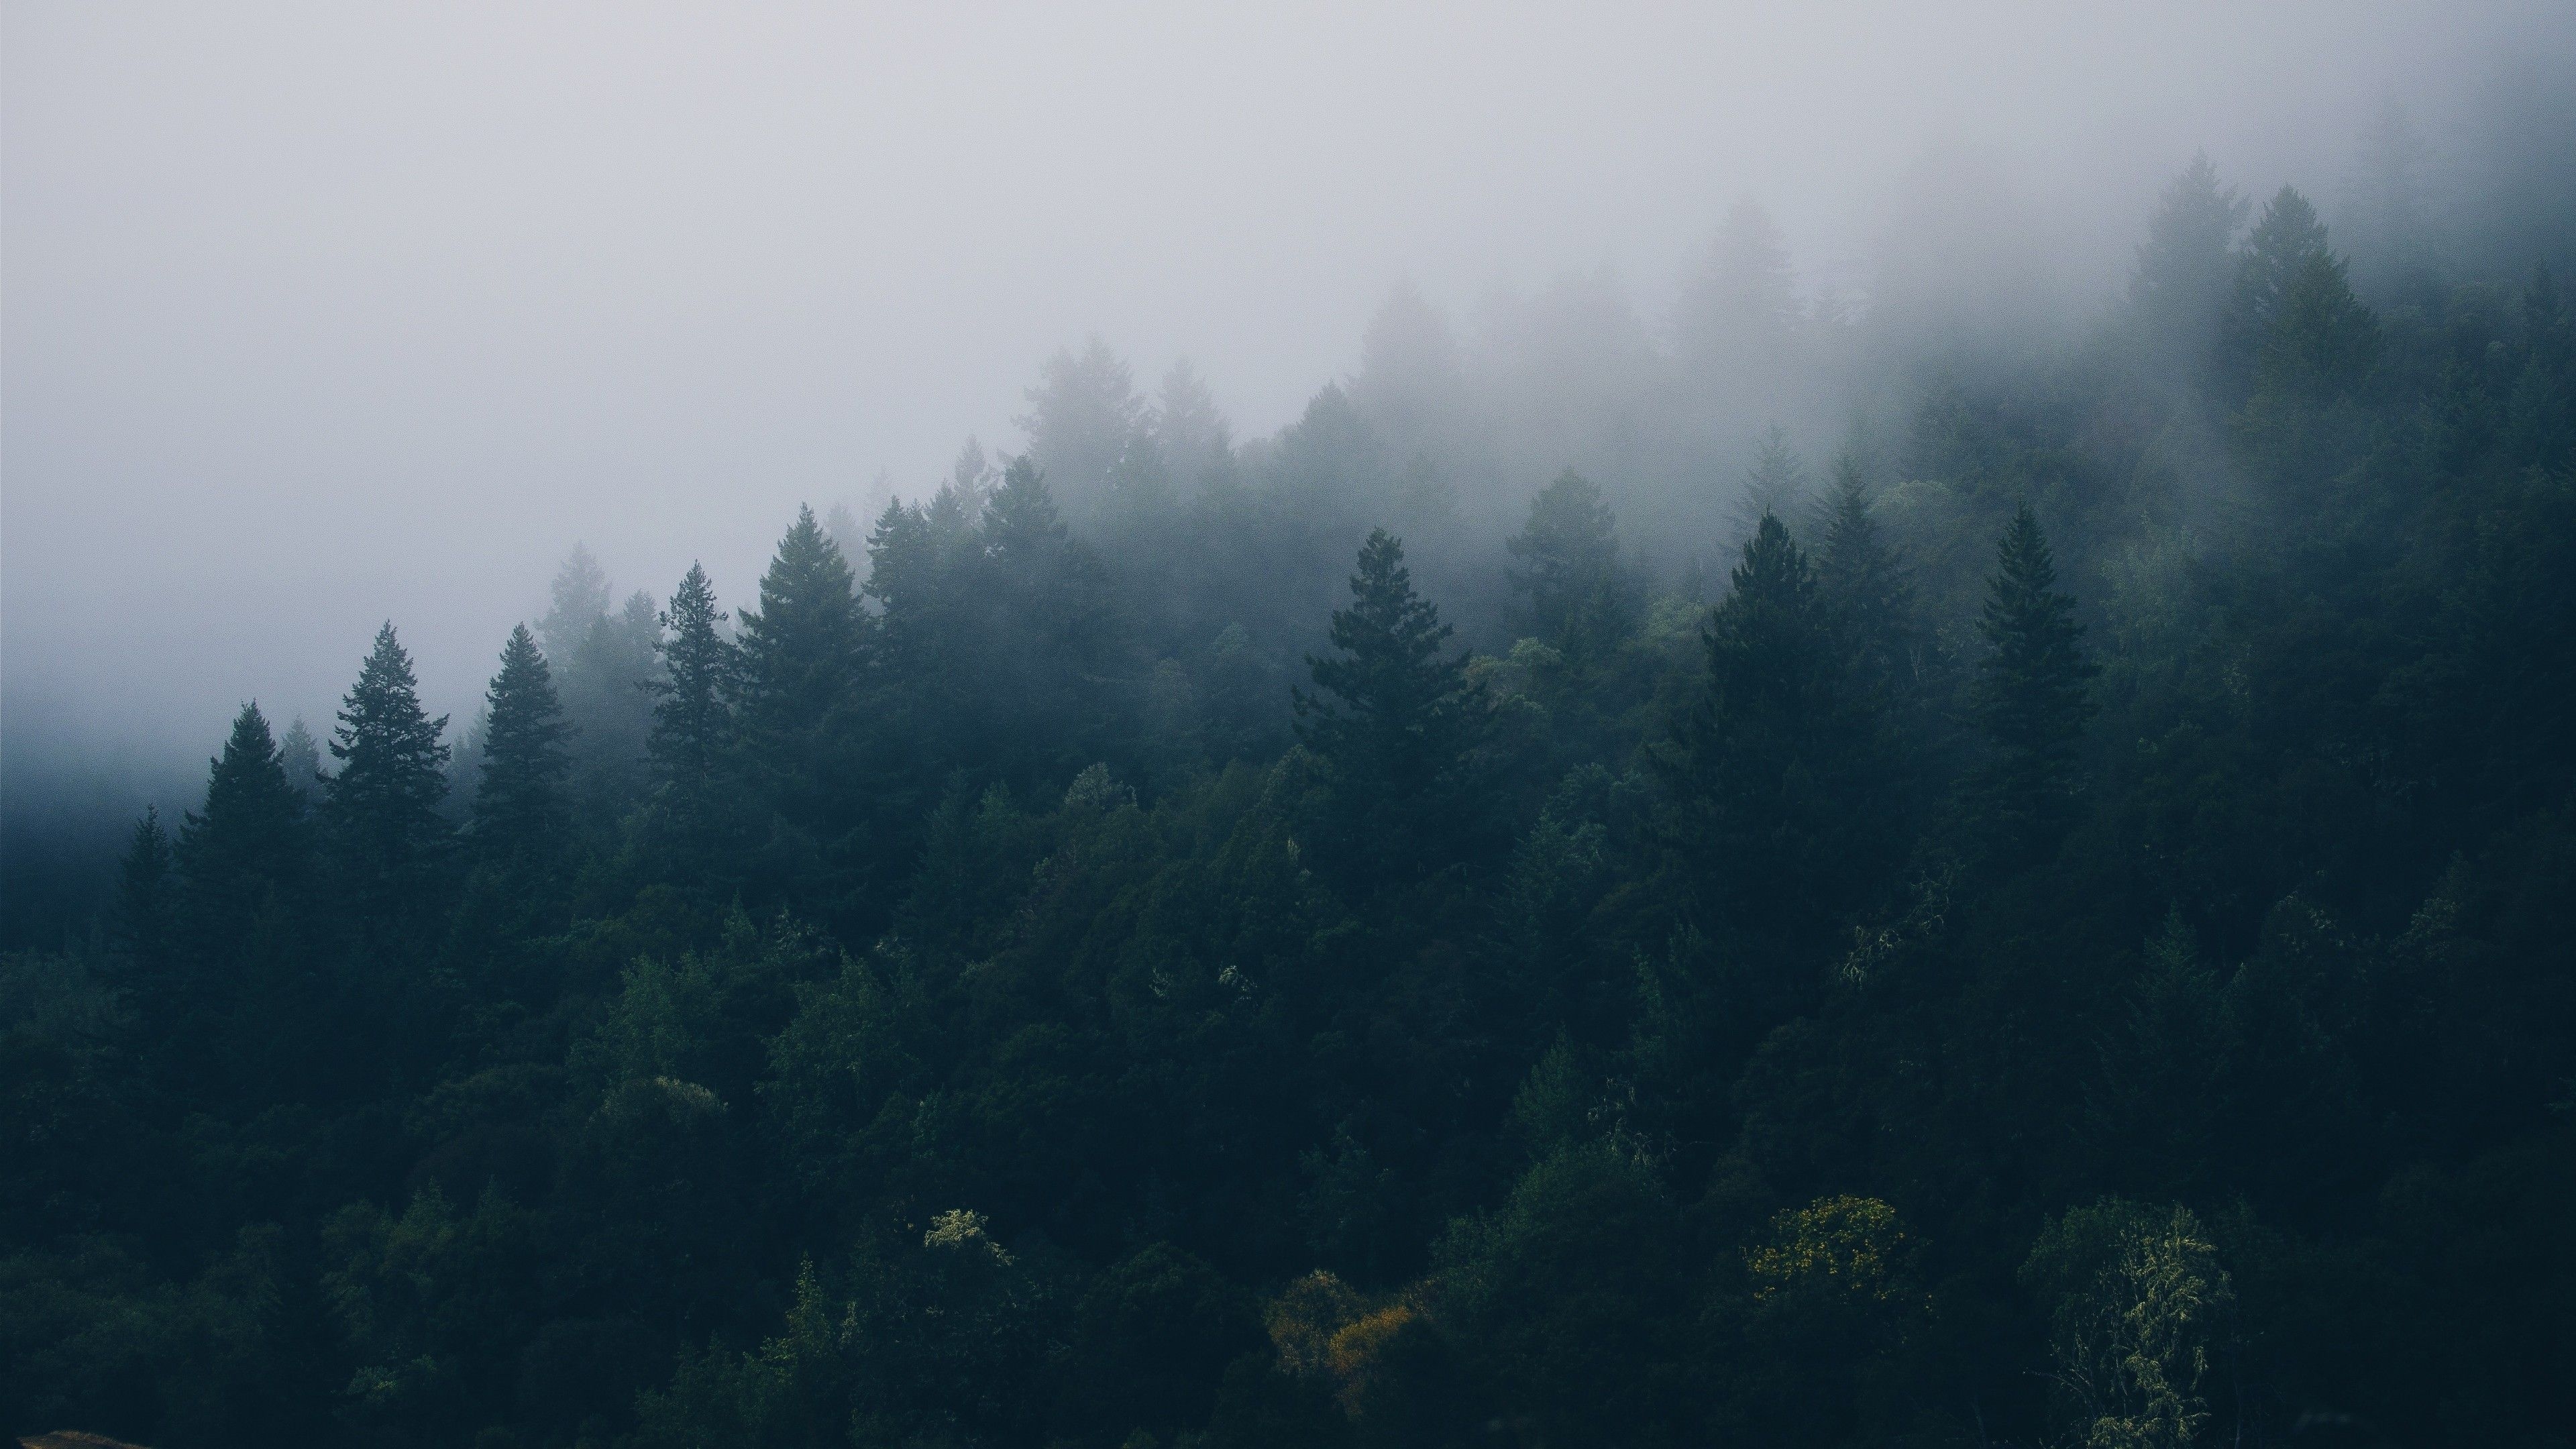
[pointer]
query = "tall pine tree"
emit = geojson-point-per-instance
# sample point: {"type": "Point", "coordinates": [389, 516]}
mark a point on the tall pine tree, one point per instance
{"type": "Point", "coordinates": [2033, 693]}
{"type": "Point", "coordinates": [1780, 775]}
{"type": "Point", "coordinates": [1575, 595]}
{"type": "Point", "coordinates": [249, 841]}
{"type": "Point", "coordinates": [521, 815]}
{"type": "Point", "coordinates": [1399, 730]}
{"type": "Point", "coordinates": [802, 648]}
{"type": "Point", "coordinates": [389, 840]}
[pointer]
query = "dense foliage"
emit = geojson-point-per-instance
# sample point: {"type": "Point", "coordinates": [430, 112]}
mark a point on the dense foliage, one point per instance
{"type": "Point", "coordinates": [2069, 941]}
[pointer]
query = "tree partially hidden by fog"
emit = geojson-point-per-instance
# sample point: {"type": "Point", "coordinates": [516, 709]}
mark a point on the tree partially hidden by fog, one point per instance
{"type": "Point", "coordinates": [2049, 930]}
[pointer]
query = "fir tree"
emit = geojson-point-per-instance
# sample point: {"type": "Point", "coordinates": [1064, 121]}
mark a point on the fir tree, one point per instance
{"type": "Point", "coordinates": [1865, 587]}
{"type": "Point", "coordinates": [521, 816]}
{"type": "Point", "coordinates": [2283, 241]}
{"type": "Point", "coordinates": [801, 649]}
{"type": "Point", "coordinates": [2033, 692]}
{"type": "Point", "coordinates": [249, 840]}
{"type": "Point", "coordinates": [1577, 597]}
{"type": "Point", "coordinates": [1780, 773]}
{"type": "Point", "coordinates": [693, 718]}
{"type": "Point", "coordinates": [2187, 264]}
{"type": "Point", "coordinates": [1398, 733]}
{"type": "Point", "coordinates": [382, 807]}
{"type": "Point", "coordinates": [144, 881]}
{"type": "Point", "coordinates": [1776, 484]}
{"type": "Point", "coordinates": [301, 755]}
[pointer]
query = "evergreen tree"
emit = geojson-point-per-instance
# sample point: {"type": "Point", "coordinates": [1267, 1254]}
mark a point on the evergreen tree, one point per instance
{"type": "Point", "coordinates": [1192, 435]}
{"type": "Point", "coordinates": [145, 877]}
{"type": "Point", "coordinates": [1742, 310]}
{"type": "Point", "coordinates": [1577, 597]}
{"type": "Point", "coordinates": [1866, 588]}
{"type": "Point", "coordinates": [2321, 341]}
{"type": "Point", "coordinates": [1779, 775]}
{"type": "Point", "coordinates": [1398, 734]}
{"type": "Point", "coordinates": [1084, 419]}
{"type": "Point", "coordinates": [2283, 241]}
{"type": "Point", "coordinates": [801, 649]}
{"type": "Point", "coordinates": [579, 599]}
{"type": "Point", "coordinates": [382, 807]}
{"type": "Point", "coordinates": [605, 687]}
{"type": "Point", "coordinates": [693, 717]}
{"type": "Point", "coordinates": [521, 816]}
{"type": "Point", "coordinates": [2187, 264]}
{"type": "Point", "coordinates": [301, 756]}
{"type": "Point", "coordinates": [250, 838]}
{"type": "Point", "coordinates": [2033, 691]}
{"type": "Point", "coordinates": [1775, 486]}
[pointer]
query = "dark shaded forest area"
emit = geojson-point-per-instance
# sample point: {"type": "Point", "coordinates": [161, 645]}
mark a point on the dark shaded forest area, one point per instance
{"type": "Point", "coordinates": [2057, 930]}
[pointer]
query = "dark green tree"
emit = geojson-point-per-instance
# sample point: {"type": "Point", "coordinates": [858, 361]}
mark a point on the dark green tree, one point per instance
{"type": "Point", "coordinates": [1866, 588]}
{"type": "Point", "coordinates": [1574, 594]}
{"type": "Point", "coordinates": [389, 841]}
{"type": "Point", "coordinates": [145, 883]}
{"type": "Point", "coordinates": [521, 816]}
{"type": "Point", "coordinates": [1779, 775]}
{"type": "Point", "coordinates": [2034, 690]}
{"type": "Point", "coordinates": [693, 716]}
{"type": "Point", "coordinates": [1400, 728]}
{"type": "Point", "coordinates": [250, 838]}
{"type": "Point", "coordinates": [801, 650]}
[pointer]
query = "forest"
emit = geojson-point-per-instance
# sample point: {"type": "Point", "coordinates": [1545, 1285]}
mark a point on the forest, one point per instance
{"type": "Point", "coordinates": [2031, 906]}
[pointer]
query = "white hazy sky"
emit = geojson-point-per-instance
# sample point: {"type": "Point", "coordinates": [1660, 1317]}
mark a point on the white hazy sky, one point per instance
{"type": "Point", "coordinates": [316, 315]}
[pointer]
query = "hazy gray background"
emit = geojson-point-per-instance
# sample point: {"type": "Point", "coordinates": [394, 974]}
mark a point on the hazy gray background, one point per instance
{"type": "Point", "coordinates": [320, 315]}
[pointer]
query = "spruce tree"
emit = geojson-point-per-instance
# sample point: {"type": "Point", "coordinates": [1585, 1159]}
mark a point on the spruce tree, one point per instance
{"type": "Point", "coordinates": [2186, 265]}
{"type": "Point", "coordinates": [301, 755]}
{"type": "Point", "coordinates": [2283, 241]}
{"type": "Point", "coordinates": [1398, 733]}
{"type": "Point", "coordinates": [250, 838]}
{"type": "Point", "coordinates": [382, 807]}
{"type": "Point", "coordinates": [1775, 485]}
{"type": "Point", "coordinates": [145, 878]}
{"type": "Point", "coordinates": [693, 718]}
{"type": "Point", "coordinates": [1866, 588]}
{"type": "Point", "coordinates": [1780, 775]}
{"type": "Point", "coordinates": [1576, 596]}
{"type": "Point", "coordinates": [2034, 690]}
{"type": "Point", "coordinates": [521, 816]}
{"type": "Point", "coordinates": [801, 649]}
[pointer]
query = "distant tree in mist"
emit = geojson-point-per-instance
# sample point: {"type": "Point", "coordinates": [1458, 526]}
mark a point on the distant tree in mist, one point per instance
{"type": "Point", "coordinates": [2387, 216]}
{"type": "Point", "coordinates": [1740, 310]}
{"type": "Point", "coordinates": [1572, 590]}
{"type": "Point", "coordinates": [301, 755]}
{"type": "Point", "coordinates": [1775, 486]}
{"type": "Point", "coordinates": [2186, 268]}
{"type": "Point", "coordinates": [1412, 378]}
{"type": "Point", "coordinates": [1866, 587]}
{"type": "Point", "coordinates": [1193, 437]}
{"type": "Point", "coordinates": [1084, 418]}
{"type": "Point", "coordinates": [578, 599]}
{"type": "Point", "coordinates": [2284, 240]}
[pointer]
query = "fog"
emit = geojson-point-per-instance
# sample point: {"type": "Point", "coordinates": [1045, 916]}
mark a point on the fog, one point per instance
{"type": "Point", "coordinates": [319, 316]}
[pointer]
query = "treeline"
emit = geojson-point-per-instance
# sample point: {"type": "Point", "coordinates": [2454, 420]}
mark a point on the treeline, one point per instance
{"type": "Point", "coordinates": [2065, 940]}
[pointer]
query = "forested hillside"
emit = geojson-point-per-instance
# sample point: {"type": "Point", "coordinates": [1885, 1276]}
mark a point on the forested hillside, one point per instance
{"type": "Point", "coordinates": [2043, 916]}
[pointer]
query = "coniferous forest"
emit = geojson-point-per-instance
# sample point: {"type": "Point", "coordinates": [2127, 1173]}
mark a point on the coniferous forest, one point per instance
{"type": "Point", "coordinates": [2041, 916]}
